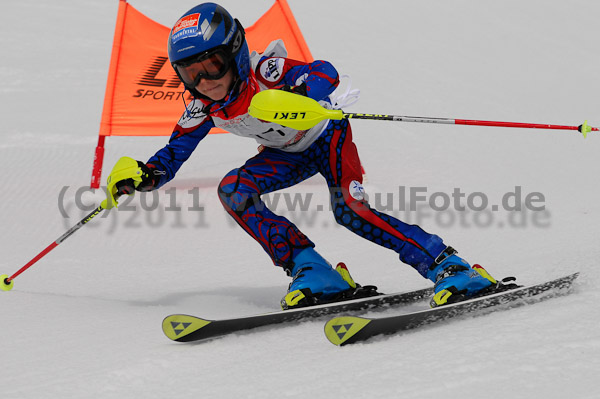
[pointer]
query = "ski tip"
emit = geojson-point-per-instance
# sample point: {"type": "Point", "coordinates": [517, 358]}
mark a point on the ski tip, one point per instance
{"type": "Point", "coordinates": [340, 330]}
{"type": "Point", "coordinates": [5, 285]}
{"type": "Point", "coordinates": [178, 326]}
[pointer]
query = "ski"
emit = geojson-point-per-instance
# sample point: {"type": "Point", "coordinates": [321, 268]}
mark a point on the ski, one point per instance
{"type": "Point", "coordinates": [186, 328]}
{"type": "Point", "coordinates": [349, 329]}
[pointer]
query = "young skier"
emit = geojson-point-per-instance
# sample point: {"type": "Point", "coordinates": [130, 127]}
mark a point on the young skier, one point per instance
{"type": "Point", "coordinates": [208, 50]}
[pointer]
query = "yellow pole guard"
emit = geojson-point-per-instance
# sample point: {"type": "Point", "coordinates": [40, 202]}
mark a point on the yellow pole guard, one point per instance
{"type": "Point", "coordinates": [290, 109]}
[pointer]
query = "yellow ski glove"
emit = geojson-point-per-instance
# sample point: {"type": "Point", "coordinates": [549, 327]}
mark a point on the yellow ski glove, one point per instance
{"type": "Point", "coordinates": [126, 175]}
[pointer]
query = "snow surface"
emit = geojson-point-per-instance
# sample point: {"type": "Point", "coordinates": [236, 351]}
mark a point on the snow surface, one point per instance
{"type": "Point", "coordinates": [85, 321]}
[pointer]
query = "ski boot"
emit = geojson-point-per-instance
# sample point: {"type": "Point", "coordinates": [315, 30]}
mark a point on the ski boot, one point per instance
{"type": "Point", "coordinates": [455, 280]}
{"type": "Point", "coordinates": [316, 282]}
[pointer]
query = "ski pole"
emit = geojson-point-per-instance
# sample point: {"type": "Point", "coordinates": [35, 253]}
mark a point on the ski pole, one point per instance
{"type": "Point", "coordinates": [6, 283]}
{"type": "Point", "coordinates": [302, 113]}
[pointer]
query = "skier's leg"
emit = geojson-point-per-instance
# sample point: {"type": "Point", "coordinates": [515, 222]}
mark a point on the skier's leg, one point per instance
{"type": "Point", "coordinates": [426, 252]}
{"type": "Point", "coordinates": [240, 193]}
{"type": "Point", "coordinates": [288, 247]}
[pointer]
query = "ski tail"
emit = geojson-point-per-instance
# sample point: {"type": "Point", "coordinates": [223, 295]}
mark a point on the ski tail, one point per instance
{"type": "Point", "coordinates": [341, 330]}
{"type": "Point", "coordinates": [177, 327]}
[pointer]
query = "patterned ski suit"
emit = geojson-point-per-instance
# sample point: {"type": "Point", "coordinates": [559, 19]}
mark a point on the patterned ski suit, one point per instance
{"type": "Point", "coordinates": [288, 157]}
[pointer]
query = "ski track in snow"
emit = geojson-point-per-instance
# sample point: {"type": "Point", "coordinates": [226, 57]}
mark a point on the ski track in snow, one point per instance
{"type": "Point", "coordinates": [84, 322]}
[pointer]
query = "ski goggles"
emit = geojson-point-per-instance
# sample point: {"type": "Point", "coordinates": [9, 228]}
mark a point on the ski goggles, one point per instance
{"type": "Point", "coordinates": [212, 66]}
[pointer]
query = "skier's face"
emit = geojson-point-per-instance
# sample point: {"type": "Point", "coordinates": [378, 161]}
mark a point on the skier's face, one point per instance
{"type": "Point", "coordinates": [216, 89]}
{"type": "Point", "coordinates": [209, 73]}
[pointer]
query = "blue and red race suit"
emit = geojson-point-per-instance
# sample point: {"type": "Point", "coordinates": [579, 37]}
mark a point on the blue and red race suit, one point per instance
{"type": "Point", "coordinates": [289, 157]}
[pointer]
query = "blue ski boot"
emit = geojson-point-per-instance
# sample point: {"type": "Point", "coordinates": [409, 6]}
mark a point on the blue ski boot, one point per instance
{"type": "Point", "coordinates": [315, 281]}
{"type": "Point", "coordinates": [455, 280]}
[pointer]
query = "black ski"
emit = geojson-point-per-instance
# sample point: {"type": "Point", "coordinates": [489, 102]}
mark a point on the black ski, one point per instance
{"type": "Point", "coordinates": [185, 328]}
{"type": "Point", "coordinates": [349, 329]}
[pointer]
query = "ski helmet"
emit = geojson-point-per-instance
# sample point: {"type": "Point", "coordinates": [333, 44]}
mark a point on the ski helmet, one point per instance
{"type": "Point", "coordinates": [204, 31]}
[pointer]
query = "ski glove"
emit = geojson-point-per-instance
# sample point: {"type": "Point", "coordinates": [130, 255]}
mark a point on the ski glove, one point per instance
{"type": "Point", "coordinates": [127, 186]}
{"type": "Point", "coordinates": [300, 89]}
{"type": "Point", "coordinates": [127, 176]}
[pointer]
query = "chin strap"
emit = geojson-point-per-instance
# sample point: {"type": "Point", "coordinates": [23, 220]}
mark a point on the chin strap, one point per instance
{"type": "Point", "coordinates": [187, 111]}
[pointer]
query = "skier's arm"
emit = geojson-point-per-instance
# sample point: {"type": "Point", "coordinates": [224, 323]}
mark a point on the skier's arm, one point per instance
{"type": "Point", "coordinates": [316, 80]}
{"type": "Point", "coordinates": [163, 165]}
{"type": "Point", "coordinates": [129, 175]}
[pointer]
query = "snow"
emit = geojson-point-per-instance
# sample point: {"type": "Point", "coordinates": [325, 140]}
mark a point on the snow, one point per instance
{"type": "Point", "coordinates": [84, 322]}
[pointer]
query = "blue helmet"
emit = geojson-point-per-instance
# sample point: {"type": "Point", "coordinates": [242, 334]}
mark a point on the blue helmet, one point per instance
{"type": "Point", "coordinates": [206, 28]}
